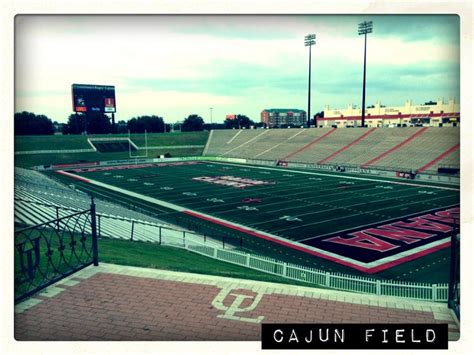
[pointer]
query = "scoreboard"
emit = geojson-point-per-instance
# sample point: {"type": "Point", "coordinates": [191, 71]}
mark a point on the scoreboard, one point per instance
{"type": "Point", "coordinates": [93, 98]}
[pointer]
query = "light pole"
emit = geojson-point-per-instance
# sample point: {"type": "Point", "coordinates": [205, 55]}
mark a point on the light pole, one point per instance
{"type": "Point", "coordinates": [210, 109]}
{"type": "Point", "coordinates": [309, 40]}
{"type": "Point", "coordinates": [364, 28]}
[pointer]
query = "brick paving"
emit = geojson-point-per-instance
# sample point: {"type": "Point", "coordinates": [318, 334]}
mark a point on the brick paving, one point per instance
{"type": "Point", "coordinates": [112, 302]}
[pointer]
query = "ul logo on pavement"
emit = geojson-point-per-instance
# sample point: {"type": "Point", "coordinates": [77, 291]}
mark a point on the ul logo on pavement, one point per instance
{"type": "Point", "coordinates": [231, 301]}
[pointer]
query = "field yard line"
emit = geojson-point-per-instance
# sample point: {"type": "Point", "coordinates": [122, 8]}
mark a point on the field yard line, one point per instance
{"type": "Point", "coordinates": [328, 209]}
{"type": "Point", "coordinates": [234, 136]}
{"type": "Point", "coordinates": [311, 203]}
{"type": "Point", "coordinates": [334, 219]}
{"type": "Point", "coordinates": [277, 144]}
{"type": "Point", "coordinates": [384, 221]}
{"type": "Point", "coordinates": [344, 177]}
{"type": "Point", "coordinates": [244, 143]}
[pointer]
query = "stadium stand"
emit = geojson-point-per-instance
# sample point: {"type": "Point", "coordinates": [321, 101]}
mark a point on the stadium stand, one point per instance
{"type": "Point", "coordinates": [379, 141]}
{"type": "Point", "coordinates": [412, 148]}
{"type": "Point", "coordinates": [39, 199]}
{"type": "Point", "coordinates": [426, 147]}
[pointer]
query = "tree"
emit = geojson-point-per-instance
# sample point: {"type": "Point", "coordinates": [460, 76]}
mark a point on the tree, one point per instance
{"type": "Point", "coordinates": [27, 123]}
{"type": "Point", "coordinates": [90, 123]}
{"type": "Point", "coordinates": [192, 123]}
{"type": "Point", "coordinates": [152, 124]}
{"type": "Point", "coordinates": [240, 121]}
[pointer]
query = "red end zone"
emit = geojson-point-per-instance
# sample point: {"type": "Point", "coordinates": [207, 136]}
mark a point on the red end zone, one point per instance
{"type": "Point", "coordinates": [370, 268]}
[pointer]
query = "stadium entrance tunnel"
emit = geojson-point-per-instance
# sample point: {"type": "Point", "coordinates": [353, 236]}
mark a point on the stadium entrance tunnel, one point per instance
{"type": "Point", "coordinates": [108, 145]}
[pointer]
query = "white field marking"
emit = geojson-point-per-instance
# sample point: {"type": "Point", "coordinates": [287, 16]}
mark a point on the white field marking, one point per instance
{"type": "Point", "coordinates": [303, 190]}
{"type": "Point", "coordinates": [245, 143]}
{"type": "Point", "coordinates": [247, 208]}
{"type": "Point", "coordinates": [118, 176]}
{"type": "Point", "coordinates": [291, 197]}
{"type": "Point", "coordinates": [215, 200]}
{"type": "Point", "coordinates": [375, 213]}
{"type": "Point", "coordinates": [107, 173]}
{"type": "Point", "coordinates": [166, 188]}
{"type": "Point", "coordinates": [344, 217]}
{"type": "Point", "coordinates": [234, 136]}
{"type": "Point", "coordinates": [148, 183]}
{"type": "Point", "coordinates": [308, 203]}
{"type": "Point", "coordinates": [132, 179]}
{"type": "Point", "coordinates": [379, 222]}
{"type": "Point", "coordinates": [276, 237]}
{"type": "Point", "coordinates": [347, 177]}
{"type": "Point", "coordinates": [277, 145]}
{"type": "Point", "coordinates": [189, 193]}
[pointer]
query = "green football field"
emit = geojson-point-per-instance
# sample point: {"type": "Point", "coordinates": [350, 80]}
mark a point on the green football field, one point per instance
{"type": "Point", "coordinates": [313, 217]}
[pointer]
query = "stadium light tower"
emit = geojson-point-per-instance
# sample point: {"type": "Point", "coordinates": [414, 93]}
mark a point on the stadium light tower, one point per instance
{"type": "Point", "coordinates": [309, 40]}
{"type": "Point", "coordinates": [364, 28]}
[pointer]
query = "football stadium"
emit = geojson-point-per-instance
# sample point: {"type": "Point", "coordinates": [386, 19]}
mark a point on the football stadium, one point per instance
{"type": "Point", "coordinates": [279, 221]}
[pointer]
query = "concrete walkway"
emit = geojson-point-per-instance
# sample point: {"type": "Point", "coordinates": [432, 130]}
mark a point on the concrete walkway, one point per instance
{"type": "Point", "coordinates": [113, 302]}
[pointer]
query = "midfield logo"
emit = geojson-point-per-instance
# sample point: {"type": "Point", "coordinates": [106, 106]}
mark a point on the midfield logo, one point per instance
{"type": "Point", "coordinates": [233, 181]}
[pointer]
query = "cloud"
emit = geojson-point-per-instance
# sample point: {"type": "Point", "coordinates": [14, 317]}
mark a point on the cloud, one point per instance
{"type": "Point", "coordinates": [176, 65]}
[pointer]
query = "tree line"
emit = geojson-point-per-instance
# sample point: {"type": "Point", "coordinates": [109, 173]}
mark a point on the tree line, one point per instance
{"type": "Point", "coordinates": [28, 123]}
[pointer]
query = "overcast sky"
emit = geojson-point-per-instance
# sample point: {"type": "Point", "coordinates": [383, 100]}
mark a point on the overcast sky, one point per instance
{"type": "Point", "coordinates": [173, 66]}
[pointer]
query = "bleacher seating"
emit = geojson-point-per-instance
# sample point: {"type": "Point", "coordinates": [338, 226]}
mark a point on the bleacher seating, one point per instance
{"type": "Point", "coordinates": [39, 199]}
{"type": "Point", "coordinates": [407, 148]}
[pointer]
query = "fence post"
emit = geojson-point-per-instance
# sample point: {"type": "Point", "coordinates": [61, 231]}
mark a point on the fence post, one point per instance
{"type": "Point", "coordinates": [247, 259]}
{"type": "Point", "coordinates": [184, 239]}
{"type": "Point", "coordinates": [131, 233]}
{"type": "Point", "coordinates": [434, 292]}
{"type": "Point", "coordinates": [215, 253]}
{"type": "Point", "coordinates": [204, 238]}
{"type": "Point", "coordinates": [159, 234]}
{"type": "Point", "coordinates": [57, 217]}
{"type": "Point", "coordinates": [284, 269]}
{"type": "Point", "coordinates": [378, 287]}
{"type": "Point", "coordinates": [98, 219]}
{"type": "Point", "coordinates": [327, 282]}
{"type": "Point", "coordinates": [95, 247]}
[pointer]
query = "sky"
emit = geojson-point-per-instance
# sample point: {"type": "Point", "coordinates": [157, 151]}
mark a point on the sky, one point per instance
{"type": "Point", "coordinates": [174, 66]}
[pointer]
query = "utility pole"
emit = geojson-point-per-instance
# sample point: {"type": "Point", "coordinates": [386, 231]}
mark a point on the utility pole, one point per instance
{"type": "Point", "coordinates": [309, 40]}
{"type": "Point", "coordinates": [364, 28]}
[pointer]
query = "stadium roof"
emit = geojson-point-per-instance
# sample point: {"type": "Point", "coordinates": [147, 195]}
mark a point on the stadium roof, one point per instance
{"type": "Point", "coordinates": [283, 110]}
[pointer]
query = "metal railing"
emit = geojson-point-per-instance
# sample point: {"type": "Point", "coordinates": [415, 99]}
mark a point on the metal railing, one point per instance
{"type": "Point", "coordinates": [48, 252]}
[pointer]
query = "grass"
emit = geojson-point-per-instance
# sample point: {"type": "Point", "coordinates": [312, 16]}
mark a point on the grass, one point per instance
{"type": "Point", "coordinates": [155, 256]}
{"type": "Point", "coordinates": [64, 142]}
{"type": "Point", "coordinates": [29, 160]}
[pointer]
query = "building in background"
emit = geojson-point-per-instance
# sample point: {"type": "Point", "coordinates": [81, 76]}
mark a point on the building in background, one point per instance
{"type": "Point", "coordinates": [230, 117]}
{"type": "Point", "coordinates": [435, 114]}
{"type": "Point", "coordinates": [283, 117]}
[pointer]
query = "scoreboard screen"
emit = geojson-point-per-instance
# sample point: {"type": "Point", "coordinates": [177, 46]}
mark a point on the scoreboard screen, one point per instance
{"type": "Point", "coordinates": [93, 98]}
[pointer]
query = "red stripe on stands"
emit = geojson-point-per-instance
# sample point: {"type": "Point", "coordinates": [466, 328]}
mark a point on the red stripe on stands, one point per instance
{"type": "Point", "coordinates": [391, 150]}
{"type": "Point", "coordinates": [347, 146]}
{"type": "Point", "coordinates": [441, 156]}
{"type": "Point", "coordinates": [306, 146]}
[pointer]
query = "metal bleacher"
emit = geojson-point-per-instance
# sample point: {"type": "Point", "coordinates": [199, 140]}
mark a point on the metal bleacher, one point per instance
{"type": "Point", "coordinates": [39, 199]}
{"type": "Point", "coordinates": [387, 148]}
